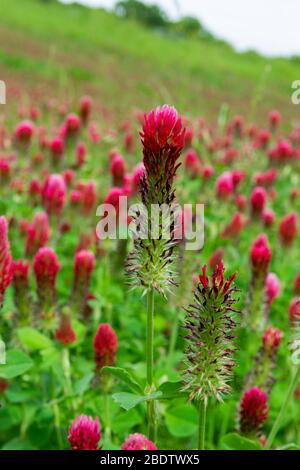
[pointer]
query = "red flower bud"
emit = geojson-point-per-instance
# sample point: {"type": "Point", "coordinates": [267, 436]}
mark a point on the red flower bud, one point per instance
{"type": "Point", "coordinates": [117, 169]}
{"type": "Point", "coordinates": [207, 172]}
{"type": "Point", "coordinates": [253, 410]}
{"type": "Point", "coordinates": [56, 147]}
{"type": "Point", "coordinates": [72, 125]}
{"type": "Point", "coordinates": [260, 255]}
{"type": "Point", "coordinates": [75, 198]}
{"type": "Point", "coordinates": [258, 201]}
{"type": "Point", "coordinates": [105, 346]}
{"type": "Point", "coordinates": [268, 217]}
{"type": "Point", "coordinates": [5, 170]}
{"type": "Point", "coordinates": [83, 266]}
{"type": "Point", "coordinates": [46, 267]}
{"type": "Point", "coordinates": [224, 185]}
{"type": "Point", "coordinates": [65, 333]}
{"type": "Point", "coordinates": [85, 108]}
{"type": "Point", "coordinates": [68, 176]}
{"type": "Point", "coordinates": [288, 229]}
{"type": "Point", "coordinates": [24, 132]}
{"type": "Point", "coordinates": [54, 193]}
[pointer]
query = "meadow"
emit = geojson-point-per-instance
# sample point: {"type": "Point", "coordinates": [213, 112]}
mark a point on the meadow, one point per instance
{"type": "Point", "coordinates": [121, 344]}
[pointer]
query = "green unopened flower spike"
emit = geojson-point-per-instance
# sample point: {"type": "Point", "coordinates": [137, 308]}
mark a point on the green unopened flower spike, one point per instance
{"type": "Point", "coordinates": [210, 328]}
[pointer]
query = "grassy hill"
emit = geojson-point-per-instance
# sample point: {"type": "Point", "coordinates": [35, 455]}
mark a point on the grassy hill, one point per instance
{"type": "Point", "coordinates": [70, 49]}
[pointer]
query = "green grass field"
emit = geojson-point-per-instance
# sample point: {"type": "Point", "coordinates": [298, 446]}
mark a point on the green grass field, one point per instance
{"type": "Point", "coordinates": [78, 49]}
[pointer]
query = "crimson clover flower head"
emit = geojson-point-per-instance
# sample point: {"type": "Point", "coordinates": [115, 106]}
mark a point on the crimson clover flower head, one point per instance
{"type": "Point", "coordinates": [288, 229]}
{"type": "Point", "coordinates": [54, 193]}
{"type": "Point", "coordinates": [138, 441]}
{"type": "Point", "coordinates": [24, 132]}
{"type": "Point", "coordinates": [117, 169]}
{"type": "Point", "coordinates": [105, 346]}
{"type": "Point", "coordinates": [210, 326]}
{"type": "Point", "coordinates": [5, 169]}
{"type": "Point", "coordinates": [224, 185]}
{"type": "Point", "coordinates": [56, 147]}
{"type": "Point", "coordinates": [72, 124]}
{"type": "Point", "coordinates": [84, 433]}
{"type": "Point", "coordinates": [260, 255]}
{"type": "Point", "coordinates": [162, 138]}
{"type": "Point", "coordinates": [84, 264]}
{"type": "Point", "coordinates": [258, 200]}
{"type": "Point", "coordinates": [46, 266]}
{"type": "Point", "coordinates": [253, 410]}
{"type": "Point", "coordinates": [85, 107]}
{"type": "Point", "coordinates": [20, 270]}
{"type": "Point", "coordinates": [6, 273]}
{"type": "Point", "coordinates": [162, 131]}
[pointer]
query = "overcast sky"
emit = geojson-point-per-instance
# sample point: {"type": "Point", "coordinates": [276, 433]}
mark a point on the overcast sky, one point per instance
{"type": "Point", "coordinates": [271, 27]}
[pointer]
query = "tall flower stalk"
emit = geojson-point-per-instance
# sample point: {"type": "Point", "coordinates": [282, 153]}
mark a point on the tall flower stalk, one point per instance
{"type": "Point", "coordinates": [209, 326]}
{"type": "Point", "coordinates": [150, 264]}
